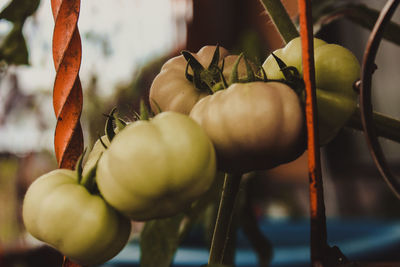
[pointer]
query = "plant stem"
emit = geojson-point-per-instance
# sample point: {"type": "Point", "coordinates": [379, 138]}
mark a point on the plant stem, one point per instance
{"type": "Point", "coordinates": [281, 19]}
{"type": "Point", "coordinates": [385, 126]}
{"type": "Point", "coordinates": [219, 251]}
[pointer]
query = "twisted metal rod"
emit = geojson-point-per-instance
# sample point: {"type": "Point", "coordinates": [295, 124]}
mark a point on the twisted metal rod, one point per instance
{"type": "Point", "coordinates": [67, 91]}
{"type": "Point", "coordinates": [366, 110]}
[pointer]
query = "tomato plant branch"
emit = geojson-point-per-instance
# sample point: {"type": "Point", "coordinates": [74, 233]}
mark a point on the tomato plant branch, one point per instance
{"type": "Point", "coordinates": [219, 252]}
{"type": "Point", "coordinates": [386, 126]}
{"type": "Point", "coordinates": [281, 19]}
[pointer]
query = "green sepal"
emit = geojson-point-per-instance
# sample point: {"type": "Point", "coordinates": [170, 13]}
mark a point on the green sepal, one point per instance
{"type": "Point", "coordinates": [89, 180]}
{"type": "Point", "coordinates": [249, 71]}
{"type": "Point", "coordinates": [197, 70]}
{"type": "Point", "coordinates": [119, 123]}
{"type": "Point", "coordinates": [78, 166]}
{"type": "Point", "coordinates": [102, 143]}
{"type": "Point", "coordinates": [234, 77]}
{"type": "Point", "coordinates": [158, 108]}
{"type": "Point", "coordinates": [279, 61]}
{"type": "Point", "coordinates": [187, 75]}
{"type": "Point", "coordinates": [263, 76]}
{"type": "Point", "coordinates": [213, 68]}
{"type": "Point", "coordinates": [192, 61]}
{"type": "Point", "coordinates": [222, 84]}
{"type": "Point", "coordinates": [202, 78]}
{"type": "Point", "coordinates": [215, 59]}
{"type": "Point", "coordinates": [109, 128]}
{"type": "Point", "coordinates": [291, 74]}
{"type": "Point", "coordinates": [144, 111]}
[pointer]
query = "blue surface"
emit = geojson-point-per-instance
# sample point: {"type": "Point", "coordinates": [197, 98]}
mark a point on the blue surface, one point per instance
{"type": "Point", "coordinates": [357, 239]}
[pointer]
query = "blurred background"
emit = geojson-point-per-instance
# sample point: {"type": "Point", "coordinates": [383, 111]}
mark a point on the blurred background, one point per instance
{"type": "Point", "coordinates": [124, 44]}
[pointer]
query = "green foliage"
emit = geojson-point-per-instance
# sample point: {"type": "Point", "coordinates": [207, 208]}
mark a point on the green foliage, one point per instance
{"type": "Point", "coordinates": [13, 49]}
{"type": "Point", "coordinates": [159, 241]}
{"type": "Point", "coordinates": [9, 228]}
{"type": "Point", "coordinates": [160, 238]}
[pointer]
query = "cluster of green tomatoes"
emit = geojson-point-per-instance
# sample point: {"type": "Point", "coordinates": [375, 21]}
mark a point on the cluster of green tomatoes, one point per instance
{"type": "Point", "coordinates": [214, 112]}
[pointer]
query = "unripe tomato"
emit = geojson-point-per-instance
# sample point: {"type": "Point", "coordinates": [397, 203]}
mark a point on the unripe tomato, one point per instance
{"type": "Point", "coordinates": [253, 126]}
{"type": "Point", "coordinates": [157, 168]}
{"type": "Point", "coordinates": [81, 225]}
{"type": "Point", "coordinates": [336, 69]}
{"type": "Point", "coordinates": [172, 91]}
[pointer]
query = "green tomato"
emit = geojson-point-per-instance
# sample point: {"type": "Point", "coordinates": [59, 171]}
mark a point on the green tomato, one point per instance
{"type": "Point", "coordinates": [329, 117]}
{"type": "Point", "coordinates": [82, 226]}
{"type": "Point", "coordinates": [336, 69]}
{"type": "Point", "coordinates": [290, 54]}
{"type": "Point", "coordinates": [253, 126]}
{"type": "Point", "coordinates": [172, 91]}
{"type": "Point", "coordinates": [157, 168]}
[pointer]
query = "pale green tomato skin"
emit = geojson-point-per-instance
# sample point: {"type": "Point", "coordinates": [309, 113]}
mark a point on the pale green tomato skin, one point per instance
{"type": "Point", "coordinates": [171, 91]}
{"type": "Point", "coordinates": [336, 70]}
{"type": "Point", "coordinates": [253, 126]}
{"type": "Point", "coordinates": [83, 227]}
{"type": "Point", "coordinates": [328, 128]}
{"type": "Point", "coordinates": [157, 168]}
{"type": "Point", "coordinates": [290, 54]}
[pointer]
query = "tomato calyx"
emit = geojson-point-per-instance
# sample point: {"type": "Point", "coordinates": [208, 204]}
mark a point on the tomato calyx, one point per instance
{"type": "Point", "coordinates": [292, 76]}
{"type": "Point", "coordinates": [253, 74]}
{"type": "Point", "coordinates": [113, 124]}
{"type": "Point", "coordinates": [203, 78]}
{"type": "Point", "coordinates": [145, 113]}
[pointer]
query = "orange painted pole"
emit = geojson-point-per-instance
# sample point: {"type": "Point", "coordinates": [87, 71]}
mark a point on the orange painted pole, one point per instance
{"type": "Point", "coordinates": [67, 91]}
{"type": "Point", "coordinates": [317, 206]}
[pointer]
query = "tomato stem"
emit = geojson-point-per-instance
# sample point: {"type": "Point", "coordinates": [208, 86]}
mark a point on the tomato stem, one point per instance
{"type": "Point", "coordinates": [281, 19]}
{"type": "Point", "coordinates": [221, 251]}
{"type": "Point", "coordinates": [386, 126]}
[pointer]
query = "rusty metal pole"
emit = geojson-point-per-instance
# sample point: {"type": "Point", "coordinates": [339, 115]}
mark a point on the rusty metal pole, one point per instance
{"type": "Point", "coordinates": [67, 91]}
{"type": "Point", "coordinates": [317, 206]}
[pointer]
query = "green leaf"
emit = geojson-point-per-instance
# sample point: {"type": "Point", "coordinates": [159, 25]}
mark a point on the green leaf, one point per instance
{"type": "Point", "coordinates": [13, 47]}
{"type": "Point", "coordinates": [18, 10]}
{"type": "Point", "coordinates": [159, 241]}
